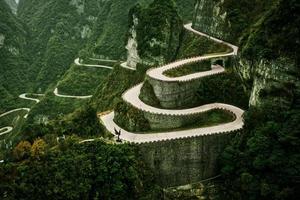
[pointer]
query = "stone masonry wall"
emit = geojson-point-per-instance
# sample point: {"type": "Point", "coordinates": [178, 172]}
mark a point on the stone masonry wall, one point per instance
{"type": "Point", "coordinates": [161, 122]}
{"type": "Point", "coordinates": [180, 162]}
{"type": "Point", "coordinates": [167, 122]}
{"type": "Point", "coordinates": [175, 94]}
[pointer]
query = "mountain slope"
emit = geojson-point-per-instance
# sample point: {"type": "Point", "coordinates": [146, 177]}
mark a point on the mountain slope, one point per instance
{"type": "Point", "coordinates": [13, 5]}
{"type": "Point", "coordinates": [14, 60]}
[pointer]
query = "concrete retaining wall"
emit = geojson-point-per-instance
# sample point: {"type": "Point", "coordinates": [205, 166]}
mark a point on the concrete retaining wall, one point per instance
{"type": "Point", "coordinates": [180, 162]}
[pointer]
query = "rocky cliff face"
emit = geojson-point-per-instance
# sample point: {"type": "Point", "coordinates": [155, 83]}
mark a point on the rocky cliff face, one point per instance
{"type": "Point", "coordinates": [133, 57]}
{"type": "Point", "coordinates": [210, 18]}
{"type": "Point", "coordinates": [272, 81]}
{"type": "Point", "coordinates": [260, 64]}
{"type": "Point", "coordinates": [154, 33]}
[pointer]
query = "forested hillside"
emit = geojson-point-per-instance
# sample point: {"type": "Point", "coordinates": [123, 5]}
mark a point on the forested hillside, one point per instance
{"type": "Point", "coordinates": [90, 29]}
{"type": "Point", "coordinates": [268, 155]}
{"type": "Point", "coordinates": [98, 25]}
{"type": "Point", "coordinates": [14, 59]}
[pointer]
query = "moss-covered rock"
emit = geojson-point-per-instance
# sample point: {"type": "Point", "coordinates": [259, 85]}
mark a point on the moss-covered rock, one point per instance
{"type": "Point", "coordinates": [130, 118]}
{"type": "Point", "coordinates": [158, 28]}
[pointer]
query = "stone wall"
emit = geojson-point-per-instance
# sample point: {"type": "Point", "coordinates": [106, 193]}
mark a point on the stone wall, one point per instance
{"type": "Point", "coordinates": [175, 94]}
{"type": "Point", "coordinates": [165, 122]}
{"type": "Point", "coordinates": [180, 94]}
{"type": "Point", "coordinates": [180, 162]}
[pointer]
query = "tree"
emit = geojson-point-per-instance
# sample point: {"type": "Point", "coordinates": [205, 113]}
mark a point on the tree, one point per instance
{"type": "Point", "coordinates": [22, 150]}
{"type": "Point", "coordinates": [38, 148]}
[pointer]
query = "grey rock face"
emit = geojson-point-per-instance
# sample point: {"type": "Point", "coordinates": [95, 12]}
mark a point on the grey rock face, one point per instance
{"type": "Point", "coordinates": [270, 75]}
{"type": "Point", "coordinates": [132, 53]}
{"type": "Point", "coordinates": [209, 18]}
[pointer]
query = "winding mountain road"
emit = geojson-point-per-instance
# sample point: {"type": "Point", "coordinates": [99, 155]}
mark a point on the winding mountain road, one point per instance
{"type": "Point", "coordinates": [124, 65]}
{"type": "Point", "coordinates": [131, 96]}
{"type": "Point", "coordinates": [8, 129]}
{"type": "Point", "coordinates": [70, 96]}
{"type": "Point", "coordinates": [23, 96]}
{"type": "Point", "coordinates": [77, 62]}
{"type": "Point", "coordinates": [5, 130]}
{"type": "Point", "coordinates": [104, 60]}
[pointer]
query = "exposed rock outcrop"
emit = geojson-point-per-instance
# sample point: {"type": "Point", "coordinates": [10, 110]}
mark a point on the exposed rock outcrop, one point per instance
{"type": "Point", "coordinates": [154, 33]}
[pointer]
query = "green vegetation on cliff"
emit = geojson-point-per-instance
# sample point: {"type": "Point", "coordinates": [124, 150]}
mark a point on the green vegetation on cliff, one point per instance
{"type": "Point", "coordinates": [189, 69]}
{"type": "Point", "coordinates": [130, 118]}
{"type": "Point", "coordinates": [82, 122]}
{"type": "Point", "coordinates": [158, 30]}
{"type": "Point", "coordinates": [13, 59]}
{"type": "Point", "coordinates": [109, 92]}
{"type": "Point", "coordinates": [263, 163]}
{"type": "Point", "coordinates": [272, 36]}
{"type": "Point", "coordinates": [224, 88]}
{"type": "Point", "coordinates": [81, 81]}
{"type": "Point", "coordinates": [91, 170]}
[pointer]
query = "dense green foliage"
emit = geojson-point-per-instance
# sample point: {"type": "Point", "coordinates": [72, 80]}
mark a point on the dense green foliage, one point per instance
{"type": "Point", "coordinates": [13, 59]}
{"type": "Point", "coordinates": [193, 45]}
{"type": "Point", "coordinates": [268, 29]}
{"type": "Point", "coordinates": [55, 43]}
{"type": "Point", "coordinates": [94, 170]}
{"type": "Point", "coordinates": [242, 15]}
{"type": "Point", "coordinates": [189, 69]}
{"type": "Point", "coordinates": [109, 93]}
{"type": "Point", "coordinates": [82, 121]}
{"type": "Point", "coordinates": [223, 88]}
{"type": "Point", "coordinates": [109, 31]}
{"type": "Point", "coordinates": [13, 5]}
{"type": "Point", "coordinates": [273, 36]}
{"type": "Point", "coordinates": [82, 80]}
{"type": "Point", "coordinates": [130, 118]}
{"type": "Point", "coordinates": [264, 163]}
